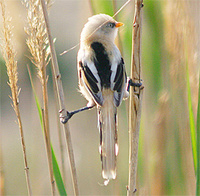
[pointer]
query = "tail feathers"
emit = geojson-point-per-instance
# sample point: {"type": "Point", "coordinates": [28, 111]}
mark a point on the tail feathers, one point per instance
{"type": "Point", "coordinates": [108, 139]}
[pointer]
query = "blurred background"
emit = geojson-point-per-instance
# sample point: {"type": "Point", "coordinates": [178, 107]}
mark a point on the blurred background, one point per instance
{"type": "Point", "coordinates": [170, 42]}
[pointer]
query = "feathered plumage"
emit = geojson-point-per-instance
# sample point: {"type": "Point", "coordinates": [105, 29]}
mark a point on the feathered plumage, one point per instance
{"type": "Point", "coordinates": [102, 80]}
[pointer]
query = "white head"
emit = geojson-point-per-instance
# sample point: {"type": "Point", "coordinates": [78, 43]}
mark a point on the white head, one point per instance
{"type": "Point", "coordinates": [100, 26]}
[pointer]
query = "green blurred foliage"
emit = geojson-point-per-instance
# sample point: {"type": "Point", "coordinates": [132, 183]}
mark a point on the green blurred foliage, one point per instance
{"type": "Point", "coordinates": [102, 6]}
{"type": "Point", "coordinates": [153, 40]}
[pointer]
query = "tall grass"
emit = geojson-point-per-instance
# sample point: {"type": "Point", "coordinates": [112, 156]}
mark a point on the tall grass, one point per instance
{"type": "Point", "coordinates": [37, 43]}
{"type": "Point", "coordinates": [11, 65]}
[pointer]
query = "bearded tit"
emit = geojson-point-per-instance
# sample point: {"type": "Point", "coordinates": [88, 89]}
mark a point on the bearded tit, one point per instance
{"type": "Point", "coordinates": [103, 82]}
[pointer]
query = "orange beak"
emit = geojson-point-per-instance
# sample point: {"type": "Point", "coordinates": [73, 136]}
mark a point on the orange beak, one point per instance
{"type": "Point", "coordinates": [119, 24]}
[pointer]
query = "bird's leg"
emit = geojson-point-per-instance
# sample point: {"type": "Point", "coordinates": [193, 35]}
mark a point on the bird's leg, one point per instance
{"type": "Point", "coordinates": [64, 119]}
{"type": "Point", "coordinates": [131, 83]}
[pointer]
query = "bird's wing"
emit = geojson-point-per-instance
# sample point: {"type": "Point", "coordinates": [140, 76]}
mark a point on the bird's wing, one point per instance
{"type": "Point", "coordinates": [118, 81]}
{"type": "Point", "coordinates": [91, 80]}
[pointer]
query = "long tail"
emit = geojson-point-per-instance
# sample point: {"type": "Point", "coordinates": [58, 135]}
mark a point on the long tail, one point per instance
{"type": "Point", "coordinates": [108, 137]}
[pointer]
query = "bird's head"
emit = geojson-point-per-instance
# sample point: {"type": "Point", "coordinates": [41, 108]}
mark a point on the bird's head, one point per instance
{"type": "Point", "coordinates": [100, 26]}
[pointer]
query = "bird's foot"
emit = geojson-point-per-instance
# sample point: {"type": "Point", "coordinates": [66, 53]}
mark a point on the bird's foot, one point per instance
{"type": "Point", "coordinates": [134, 84]}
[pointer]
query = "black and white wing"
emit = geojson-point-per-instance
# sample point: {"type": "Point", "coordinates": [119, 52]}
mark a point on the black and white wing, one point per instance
{"type": "Point", "coordinates": [89, 78]}
{"type": "Point", "coordinates": [119, 82]}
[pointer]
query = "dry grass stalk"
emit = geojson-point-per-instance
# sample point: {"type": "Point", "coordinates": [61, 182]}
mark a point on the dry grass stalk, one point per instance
{"type": "Point", "coordinates": [11, 64]}
{"type": "Point", "coordinates": [61, 100]}
{"type": "Point", "coordinates": [60, 138]}
{"type": "Point", "coordinates": [39, 48]}
{"type": "Point", "coordinates": [135, 99]}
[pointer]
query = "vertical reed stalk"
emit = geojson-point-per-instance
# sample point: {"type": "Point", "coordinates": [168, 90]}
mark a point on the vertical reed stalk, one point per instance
{"type": "Point", "coordinates": [46, 124]}
{"type": "Point", "coordinates": [135, 99]}
{"type": "Point", "coordinates": [49, 154]}
{"type": "Point", "coordinates": [38, 45]}
{"type": "Point", "coordinates": [11, 65]}
{"type": "Point", "coordinates": [61, 142]}
{"type": "Point", "coordinates": [60, 138]}
{"type": "Point", "coordinates": [60, 95]}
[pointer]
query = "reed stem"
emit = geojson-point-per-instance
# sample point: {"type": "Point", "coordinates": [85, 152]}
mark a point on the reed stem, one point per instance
{"type": "Point", "coordinates": [60, 95]}
{"type": "Point", "coordinates": [46, 124]}
{"type": "Point", "coordinates": [135, 103]}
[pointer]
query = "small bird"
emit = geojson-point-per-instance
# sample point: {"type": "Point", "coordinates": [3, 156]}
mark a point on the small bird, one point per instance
{"type": "Point", "coordinates": [103, 82]}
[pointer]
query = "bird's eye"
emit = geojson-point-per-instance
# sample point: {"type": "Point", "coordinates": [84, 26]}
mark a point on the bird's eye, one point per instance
{"type": "Point", "coordinates": [110, 24]}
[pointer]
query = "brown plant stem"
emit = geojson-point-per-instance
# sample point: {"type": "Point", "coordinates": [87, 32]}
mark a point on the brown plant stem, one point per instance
{"type": "Point", "coordinates": [47, 142]}
{"type": "Point", "coordinates": [135, 103]}
{"type": "Point", "coordinates": [46, 123]}
{"type": "Point", "coordinates": [60, 139]}
{"type": "Point", "coordinates": [60, 95]}
{"type": "Point", "coordinates": [11, 65]}
{"type": "Point", "coordinates": [59, 130]}
{"type": "Point", "coordinates": [24, 150]}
